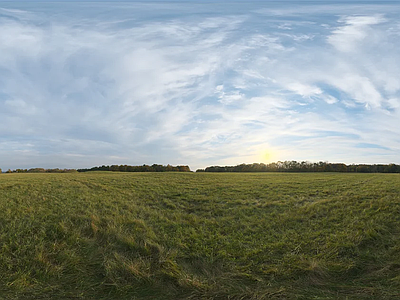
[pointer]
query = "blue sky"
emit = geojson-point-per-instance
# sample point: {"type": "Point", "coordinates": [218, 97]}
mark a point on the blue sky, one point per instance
{"type": "Point", "coordinates": [198, 83]}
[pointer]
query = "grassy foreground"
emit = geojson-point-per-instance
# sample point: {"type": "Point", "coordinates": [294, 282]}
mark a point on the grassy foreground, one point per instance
{"type": "Point", "coordinates": [199, 236]}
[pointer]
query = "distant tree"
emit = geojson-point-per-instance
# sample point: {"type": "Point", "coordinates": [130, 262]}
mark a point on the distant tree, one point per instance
{"type": "Point", "coordinates": [122, 168]}
{"type": "Point", "coordinates": [36, 170]}
{"type": "Point", "coordinates": [114, 168]}
{"type": "Point", "coordinates": [392, 168]}
{"type": "Point", "coordinates": [362, 169]}
{"type": "Point", "coordinates": [183, 169]}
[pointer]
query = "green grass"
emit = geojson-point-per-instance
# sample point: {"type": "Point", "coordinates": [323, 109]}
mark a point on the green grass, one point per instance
{"type": "Point", "coordinates": [199, 236]}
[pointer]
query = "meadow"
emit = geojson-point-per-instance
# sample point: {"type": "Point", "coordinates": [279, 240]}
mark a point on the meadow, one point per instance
{"type": "Point", "coordinates": [110, 235]}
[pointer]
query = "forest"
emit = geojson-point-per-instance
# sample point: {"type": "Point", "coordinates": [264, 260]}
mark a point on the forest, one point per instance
{"type": "Point", "coordinates": [305, 166]}
{"type": "Point", "coordinates": [143, 168]}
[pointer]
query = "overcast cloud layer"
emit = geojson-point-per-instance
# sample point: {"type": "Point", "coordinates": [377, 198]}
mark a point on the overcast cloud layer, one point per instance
{"type": "Point", "coordinates": [84, 84]}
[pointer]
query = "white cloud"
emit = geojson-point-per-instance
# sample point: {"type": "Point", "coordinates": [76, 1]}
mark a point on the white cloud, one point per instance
{"type": "Point", "coordinates": [350, 36]}
{"type": "Point", "coordinates": [329, 99]}
{"type": "Point", "coordinates": [304, 90]}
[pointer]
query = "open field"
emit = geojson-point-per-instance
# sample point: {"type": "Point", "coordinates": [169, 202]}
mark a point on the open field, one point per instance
{"type": "Point", "coordinates": [105, 235]}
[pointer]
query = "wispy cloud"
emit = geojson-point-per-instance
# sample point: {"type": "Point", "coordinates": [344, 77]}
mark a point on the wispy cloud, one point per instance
{"type": "Point", "coordinates": [351, 36]}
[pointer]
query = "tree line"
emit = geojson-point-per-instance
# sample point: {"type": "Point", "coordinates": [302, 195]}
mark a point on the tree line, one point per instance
{"type": "Point", "coordinates": [305, 166]}
{"type": "Point", "coordinates": [143, 168]}
{"type": "Point", "coordinates": [41, 170]}
{"type": "Point", "coordinates": [285, 166]}
{"type": "Point", "coordinates": [113, 168]}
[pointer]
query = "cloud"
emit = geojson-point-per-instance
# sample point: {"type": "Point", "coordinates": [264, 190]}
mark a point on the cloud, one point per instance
{"type": "Point", "coordinates": [304, 90]}
{"type": "Point", "coordinates": [350, 36]}
{"type": "Point", "coordinates": [146, 84]}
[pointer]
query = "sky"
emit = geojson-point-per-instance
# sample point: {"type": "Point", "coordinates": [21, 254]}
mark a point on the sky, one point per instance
{"type": "Point", "coordinates": [198, 83]}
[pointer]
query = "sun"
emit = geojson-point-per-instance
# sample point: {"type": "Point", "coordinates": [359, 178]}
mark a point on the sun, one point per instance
{"type": "Point", "coordinates": [266, 156]}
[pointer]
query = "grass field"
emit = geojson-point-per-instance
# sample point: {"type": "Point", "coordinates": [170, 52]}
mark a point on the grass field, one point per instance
{"type": "Point", "coordinates": [199, 236]}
